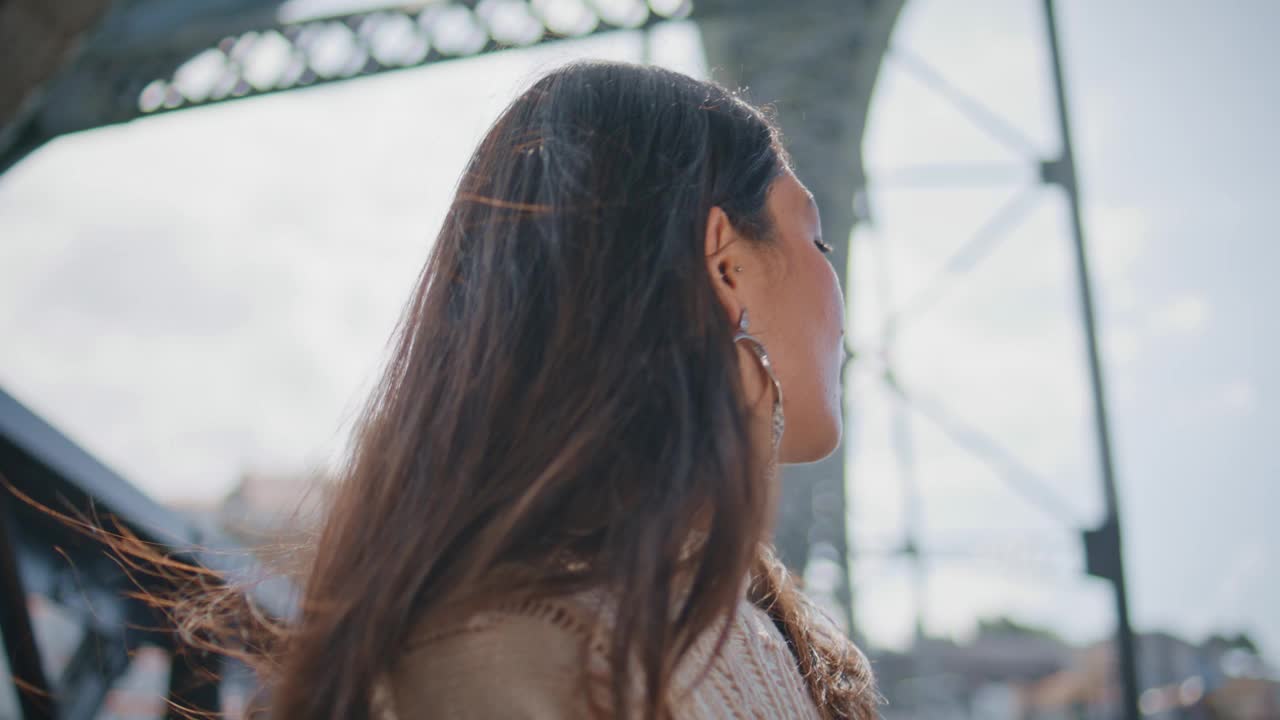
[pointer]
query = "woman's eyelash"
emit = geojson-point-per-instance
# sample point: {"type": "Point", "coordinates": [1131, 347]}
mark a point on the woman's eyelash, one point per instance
{"type": "Point", "coordinates": [825, 248]}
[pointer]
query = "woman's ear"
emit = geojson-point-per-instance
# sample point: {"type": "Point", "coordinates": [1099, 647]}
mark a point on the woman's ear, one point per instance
{"type": "Point", "coordinates": [724, 253]}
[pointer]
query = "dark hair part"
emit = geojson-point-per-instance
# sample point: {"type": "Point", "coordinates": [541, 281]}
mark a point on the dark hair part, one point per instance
{"type": "Point", "coordinates": [564, 399]}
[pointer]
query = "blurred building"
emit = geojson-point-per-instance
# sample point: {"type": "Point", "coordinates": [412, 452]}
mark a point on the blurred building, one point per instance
{"type": "Point", "coordinates": [273, 514]}
{"type": "Point", "coordinates": [1018, 673]}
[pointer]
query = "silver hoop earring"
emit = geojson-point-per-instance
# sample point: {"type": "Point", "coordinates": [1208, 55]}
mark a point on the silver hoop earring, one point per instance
{"type": "Point", "coordinates": [757, 348]}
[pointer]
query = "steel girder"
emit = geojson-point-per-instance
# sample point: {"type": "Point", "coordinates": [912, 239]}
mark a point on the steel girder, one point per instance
{"type": "Point", "coordinates": [47, 561]}
{"type": "Point", "coordinates": [144, 57]}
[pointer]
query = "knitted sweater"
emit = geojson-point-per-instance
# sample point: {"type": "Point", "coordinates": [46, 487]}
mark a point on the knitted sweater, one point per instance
{"type": "Point", "coordinates": [525, 662]}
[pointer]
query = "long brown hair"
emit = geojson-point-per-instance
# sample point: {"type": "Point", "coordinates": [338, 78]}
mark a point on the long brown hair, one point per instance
{"type": "Point", "coordinates": [563, 397]}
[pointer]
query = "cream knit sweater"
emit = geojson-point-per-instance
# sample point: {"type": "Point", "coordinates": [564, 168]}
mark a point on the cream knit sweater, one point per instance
{"type": "Point", "coordinates": [525, 662]}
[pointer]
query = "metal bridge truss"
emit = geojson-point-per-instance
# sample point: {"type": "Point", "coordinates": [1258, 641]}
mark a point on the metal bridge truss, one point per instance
{"type": "Point", "coordinates": [144, 60]}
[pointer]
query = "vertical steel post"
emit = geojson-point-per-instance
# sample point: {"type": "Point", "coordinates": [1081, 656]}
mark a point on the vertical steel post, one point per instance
{"type": "Point", "coordinates": [35, 699]}
{"type": "Point", "coordinates": [1103, 547]}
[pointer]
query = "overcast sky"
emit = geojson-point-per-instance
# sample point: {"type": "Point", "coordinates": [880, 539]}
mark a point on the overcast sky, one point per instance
{"type": "Point", "coordinates": [199, 294]}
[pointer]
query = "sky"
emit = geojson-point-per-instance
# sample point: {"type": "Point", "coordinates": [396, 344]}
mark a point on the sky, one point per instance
{"type": "Point", "coordinates": [201, 294]}
{"type": "Point", "coordinates": [1172, 116]}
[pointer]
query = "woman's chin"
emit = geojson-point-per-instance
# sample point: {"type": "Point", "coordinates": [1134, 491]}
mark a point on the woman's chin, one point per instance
{"type": "Point", "coordinates": [810, 444]}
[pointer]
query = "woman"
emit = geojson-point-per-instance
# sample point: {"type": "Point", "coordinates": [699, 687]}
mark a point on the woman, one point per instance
{"type": "Point", "coordinates": [560, 496]}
